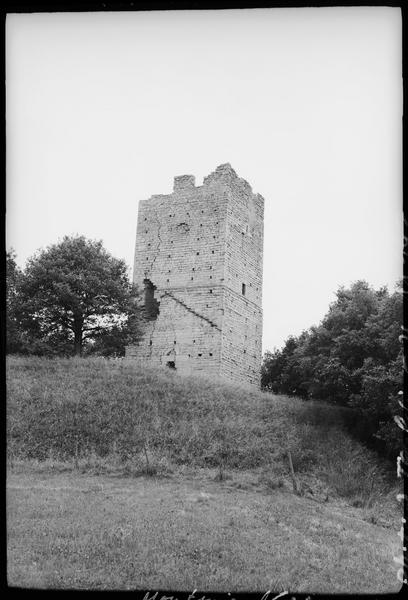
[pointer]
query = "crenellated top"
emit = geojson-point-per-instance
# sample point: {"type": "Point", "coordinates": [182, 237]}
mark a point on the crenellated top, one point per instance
{"type": "Point", "coordinates": [182, 182]}
{"type": "Point", "coordinates": [223, 174]}
{"type": "Point", "coordinates": [226, 174]}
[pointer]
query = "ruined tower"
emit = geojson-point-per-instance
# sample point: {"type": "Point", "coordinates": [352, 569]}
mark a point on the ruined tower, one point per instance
{"type": "Point", "coordinates": [198, 257]}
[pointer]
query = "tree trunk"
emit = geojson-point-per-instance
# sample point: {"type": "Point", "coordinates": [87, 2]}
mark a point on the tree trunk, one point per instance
{"type": "Point", "coordinates": [78, 338]}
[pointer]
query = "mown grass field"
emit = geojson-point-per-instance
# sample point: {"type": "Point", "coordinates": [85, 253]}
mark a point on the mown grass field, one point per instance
{"type": "Point", "coordinates": [121, 478]}
{"type": "Point", "coordinates": [100, 532]}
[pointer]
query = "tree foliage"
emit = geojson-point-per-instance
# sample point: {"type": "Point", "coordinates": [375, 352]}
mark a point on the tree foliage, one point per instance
{"type": "Point", "coordinates": [353, 358]}
{"type": "Point", "coordinates": [14, 336]}
{"type": "Point", "coordinates": [74, 296]}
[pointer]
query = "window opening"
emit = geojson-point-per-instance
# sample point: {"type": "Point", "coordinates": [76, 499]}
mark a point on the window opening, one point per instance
{"type": "Point", "coordinates": [243, 289]}
{"type": "Point", "coordinates": [171, 364]}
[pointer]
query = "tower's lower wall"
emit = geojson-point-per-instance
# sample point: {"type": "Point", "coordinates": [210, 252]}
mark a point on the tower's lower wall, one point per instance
{"type": "Point", "coordinates": [204, 339]}
{"type": "Point", "coordinates": [241, 355]}
{"type": "Point", "coordinates": [180, 336]}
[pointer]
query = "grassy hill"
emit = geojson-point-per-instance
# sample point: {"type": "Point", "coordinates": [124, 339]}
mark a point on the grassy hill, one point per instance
{"type": "Point", "coordinates": [124, 478]}
{"type": "Point", "coordinates": [105, 415]}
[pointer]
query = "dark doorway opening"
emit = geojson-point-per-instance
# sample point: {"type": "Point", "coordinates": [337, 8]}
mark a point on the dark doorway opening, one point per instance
{"type": "Point", "coordinates": [171, 364]}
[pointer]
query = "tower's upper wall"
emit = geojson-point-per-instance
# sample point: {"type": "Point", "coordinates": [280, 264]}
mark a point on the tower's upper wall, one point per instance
{"type": "Point", "coordinates": [180, 240]}
{"type": "Point", "coordinates": [202, 235]}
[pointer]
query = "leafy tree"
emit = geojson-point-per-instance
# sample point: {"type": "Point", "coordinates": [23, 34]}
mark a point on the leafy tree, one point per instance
{"type": "Point", "coordinates": [353, 358]}
{"type": "Point", "coordinates": [271, 370]}
{"type": "Point", "coordinates": [74, 293]}
{"type": "Point", "coordinates": [14, 334]}
{"type": "Point", "coordinates": [112, 342]}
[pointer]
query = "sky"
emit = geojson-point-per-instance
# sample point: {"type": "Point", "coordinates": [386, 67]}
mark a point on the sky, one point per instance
{"type": "Point", "coordinates": [104, 109]}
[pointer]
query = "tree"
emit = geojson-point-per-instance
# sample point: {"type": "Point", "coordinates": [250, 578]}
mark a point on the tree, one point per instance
{"type": "Point", "coordinates": [14, 334]}
{"type": "Point", "coordinates": [113, 342]}
{"type": "Point", "coordinates": [353, 358]}
{"type": "Point", "coordinates": [75, 292]}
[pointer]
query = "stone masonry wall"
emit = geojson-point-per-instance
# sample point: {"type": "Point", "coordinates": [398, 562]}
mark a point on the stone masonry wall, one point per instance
{"type": "Point", "coordinates": [242, 328]}
{"type": "Point", "coordinates": [197, 247]}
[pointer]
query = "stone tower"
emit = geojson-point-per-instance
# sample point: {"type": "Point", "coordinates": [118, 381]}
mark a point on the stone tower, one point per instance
{"type": "Point", "coordinates": [198, 257]}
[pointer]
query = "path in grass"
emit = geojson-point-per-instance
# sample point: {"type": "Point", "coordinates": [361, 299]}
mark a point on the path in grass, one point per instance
{"type": "Point", "coordinates": [69, 530]}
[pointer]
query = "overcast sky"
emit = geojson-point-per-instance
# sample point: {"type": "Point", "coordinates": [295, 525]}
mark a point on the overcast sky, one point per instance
{"type": "Point", "coordinates": [104, 109]}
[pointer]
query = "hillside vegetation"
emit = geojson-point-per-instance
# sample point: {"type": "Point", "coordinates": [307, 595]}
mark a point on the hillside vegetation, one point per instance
{"type": "Point", "coordinates": [103, 414]}
{"type": "Point", "coordinates": [353, 358]}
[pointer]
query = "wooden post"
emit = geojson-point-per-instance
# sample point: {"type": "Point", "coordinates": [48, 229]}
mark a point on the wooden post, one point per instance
{"type": "Point", "coordinates": [296, 485]}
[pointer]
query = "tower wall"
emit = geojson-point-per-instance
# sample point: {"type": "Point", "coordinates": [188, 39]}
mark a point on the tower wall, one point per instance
{"type": "Point", "coordinates": [242, 327]}
{"type": "Point", "coordinates": [197, 246]}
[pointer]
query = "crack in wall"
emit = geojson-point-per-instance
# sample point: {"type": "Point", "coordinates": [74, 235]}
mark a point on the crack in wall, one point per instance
{"type": "Point", "coordinates": [159, 226]}
{"type": "Point", "coordinates": [192, 310]}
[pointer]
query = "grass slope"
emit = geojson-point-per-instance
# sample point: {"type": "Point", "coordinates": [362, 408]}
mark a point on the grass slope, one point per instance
{"type": "Point", "coordinates": [121, 477]}
{"type": "Point", "coordinates": [104, 415]}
